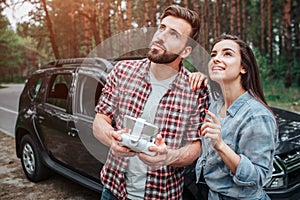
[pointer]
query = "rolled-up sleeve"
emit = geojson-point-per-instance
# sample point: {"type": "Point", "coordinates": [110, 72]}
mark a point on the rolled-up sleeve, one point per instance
{"type": "Point", "coordinates": [256, 149]}
{"type": "Point", "coordinates": [107, 101]}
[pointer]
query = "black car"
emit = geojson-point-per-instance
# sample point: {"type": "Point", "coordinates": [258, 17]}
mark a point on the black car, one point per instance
{"type": "Point", "coordinates": [54, 129]}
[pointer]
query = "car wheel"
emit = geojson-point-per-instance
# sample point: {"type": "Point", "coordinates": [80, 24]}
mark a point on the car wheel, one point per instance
{"type": "Point", "coordinates": [32, 164]}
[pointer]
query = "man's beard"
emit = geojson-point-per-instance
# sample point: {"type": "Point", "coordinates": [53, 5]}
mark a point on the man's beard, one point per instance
{"type": "Point", "coordinates": [161, 58]}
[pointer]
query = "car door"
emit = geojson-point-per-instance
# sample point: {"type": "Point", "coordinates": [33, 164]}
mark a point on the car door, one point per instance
{"type": "Point", "coordinates": [90, 153]}
{"type": "Point", "coordinates": [53, 116]}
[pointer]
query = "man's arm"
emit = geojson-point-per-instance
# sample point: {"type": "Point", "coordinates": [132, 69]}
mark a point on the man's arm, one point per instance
{"type": "Point", "coordinates": [102, 129]}
{"type": "Point", "coordinates": [174, 157]}
{"type": "Point", "coordinates": [185, 155]}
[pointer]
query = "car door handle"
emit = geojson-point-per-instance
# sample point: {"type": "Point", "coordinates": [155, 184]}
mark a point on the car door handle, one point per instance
{"type": "Point", "coordinates": [73, 132]}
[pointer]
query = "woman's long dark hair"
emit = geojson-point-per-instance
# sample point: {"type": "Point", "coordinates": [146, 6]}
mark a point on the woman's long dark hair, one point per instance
{"type": "Point", "coordinates": [250, 80]}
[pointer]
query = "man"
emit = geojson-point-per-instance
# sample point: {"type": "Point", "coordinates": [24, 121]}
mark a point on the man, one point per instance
{"type": "Point", "coordinates": [157, 90]}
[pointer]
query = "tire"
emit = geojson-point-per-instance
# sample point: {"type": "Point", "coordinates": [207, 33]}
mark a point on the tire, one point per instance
{"type": "Point", "coordinates": [33, 167]}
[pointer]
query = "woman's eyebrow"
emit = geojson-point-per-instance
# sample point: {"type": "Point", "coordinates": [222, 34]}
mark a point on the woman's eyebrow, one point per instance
{"type": "Point", "coordinates": [228, 49]}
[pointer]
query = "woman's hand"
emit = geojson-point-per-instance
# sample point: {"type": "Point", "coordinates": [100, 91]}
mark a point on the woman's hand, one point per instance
{"type": "Point", "coordinates": [212, 129]}
{"type": "Point", "coordinates": [196, 79]}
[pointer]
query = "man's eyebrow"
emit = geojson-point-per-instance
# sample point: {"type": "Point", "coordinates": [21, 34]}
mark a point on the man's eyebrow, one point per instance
{"type": "Point", "coordinates": [175, 31]}
{"type": "Point", "coordinates": [172, 29]}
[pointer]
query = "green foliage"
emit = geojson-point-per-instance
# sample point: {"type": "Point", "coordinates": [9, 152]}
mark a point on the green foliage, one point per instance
{"type": "Point", "coordinates": [73, 22]}
{"type": "Point", "coordinates": [10, 48]}
{"type": "Point", "coordinates": [262, 62]}
{"type": "Point", "coordinates": [277, 95]}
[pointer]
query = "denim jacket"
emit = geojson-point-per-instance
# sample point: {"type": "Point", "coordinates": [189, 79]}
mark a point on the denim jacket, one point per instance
{"type": "Point", "coordinates": [249, 129]}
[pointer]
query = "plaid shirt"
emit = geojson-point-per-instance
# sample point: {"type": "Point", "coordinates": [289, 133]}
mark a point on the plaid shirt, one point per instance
{"type": "Point", "coordinates": [179, 117]}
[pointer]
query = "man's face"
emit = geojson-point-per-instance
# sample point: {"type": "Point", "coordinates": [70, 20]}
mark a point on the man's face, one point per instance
{"type": "Point", "coordinates": [169, 41]}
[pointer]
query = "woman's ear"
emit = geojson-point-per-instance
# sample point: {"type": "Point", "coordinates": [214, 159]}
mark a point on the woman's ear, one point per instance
{"type": "Point", "coordinates": [186, 52]}
{"type": "Point", "coordinates": [243, 70]}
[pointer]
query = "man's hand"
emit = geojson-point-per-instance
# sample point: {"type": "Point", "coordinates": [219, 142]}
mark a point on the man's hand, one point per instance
{"type": "Point", "coordinates": [161, 157]}
{"type": "Point", "coordinates": [171, 157]}
{"type": "Point", "coordinates": [116, 149]}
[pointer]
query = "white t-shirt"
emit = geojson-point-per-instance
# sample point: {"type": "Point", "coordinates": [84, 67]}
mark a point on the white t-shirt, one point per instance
{"type": "Point", "coordinates": [136, 173]}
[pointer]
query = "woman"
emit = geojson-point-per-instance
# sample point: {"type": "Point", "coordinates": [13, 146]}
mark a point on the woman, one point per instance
{"type": "Point", "coordinates": [240, 132]}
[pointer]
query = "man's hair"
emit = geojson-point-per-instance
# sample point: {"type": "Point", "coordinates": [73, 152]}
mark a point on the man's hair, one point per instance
{"type": "Point", "coordinates": [188, 15]}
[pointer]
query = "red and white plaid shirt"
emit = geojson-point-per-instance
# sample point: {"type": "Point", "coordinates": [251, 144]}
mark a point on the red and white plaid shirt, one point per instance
{"type": "Point", "coordinates": [179, 117]}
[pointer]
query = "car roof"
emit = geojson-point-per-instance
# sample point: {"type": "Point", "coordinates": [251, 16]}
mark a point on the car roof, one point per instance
{"type": "Point", "coordinates": [101, 63]}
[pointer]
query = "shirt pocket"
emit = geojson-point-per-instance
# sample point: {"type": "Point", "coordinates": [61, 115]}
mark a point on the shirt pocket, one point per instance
{"type": "Point", "coordinates": [128, 102]}
{"type": "Point", "coordinates": [180, 116]}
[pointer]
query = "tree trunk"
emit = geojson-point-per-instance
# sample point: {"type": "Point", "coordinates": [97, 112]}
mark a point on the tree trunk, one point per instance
{"type": "Point", "coordinates": [51, 32]}
{"type": "Point", "coordinates": [106, 50]}
{"type": "Point", "coordinates": [120, 20]}
{"type": "Point", "coordinates": [214, 19]}
{"type": "Point", "coordinates": [153, 13]}
{"type": "Point", "coordinates": [262, 26]}
{"type": "Point", "coordinates": [201, 16]}
{"type": "Point", "coordinates": [218, 17]}
{"type": "Point", "coordinates": [95, 25]}
{"type": "Point", "coordinates": [226, 17]}
{"type": "Point", "coordinates": [185, 3]}
{"type": "Point", "coordinates": [270, 33]}
{"type": "Point", "coordinates": [129, 15]}
{"type": "Point", "coordinates": [147, 20]}
{"type": "Point", "coordinates": [287, 41]}
{"type": "Point", "coordinates": [244, 21]}
{"type": "Point", "coordinates": [296, 22]}
{"type": "Point", "coordinates": [232, 16]}
{"type": "Point", "coordinates": [206, 22]}
{"type": "Point", "coordinates": [196, 6]}
{"type": "Point", "coordinates": [106, 20]}
{"type": "Point", "coordinates": [74, 42]}
{"type": "Point", "coordinates": [238, 18]}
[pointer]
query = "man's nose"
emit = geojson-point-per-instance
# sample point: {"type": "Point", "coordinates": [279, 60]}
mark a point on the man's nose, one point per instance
{"type": "Point", "coordinates": [162, 35]}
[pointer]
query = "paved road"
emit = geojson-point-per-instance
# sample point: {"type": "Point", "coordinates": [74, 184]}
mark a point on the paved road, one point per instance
{"type": "Point", "coordinates": [9, 100]}
{"type": "Point", "coordinates": [13, 183]}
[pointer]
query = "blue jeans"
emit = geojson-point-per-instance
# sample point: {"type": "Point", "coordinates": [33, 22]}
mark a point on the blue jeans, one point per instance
{"type": "Point", "coordinates": [107, 195]}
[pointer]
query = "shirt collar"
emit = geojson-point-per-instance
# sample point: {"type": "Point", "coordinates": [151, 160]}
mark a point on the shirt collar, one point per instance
{"type": "Point", "coordinates": [180, 81]}
{"type": "Point", "coordinates": [238, 103]}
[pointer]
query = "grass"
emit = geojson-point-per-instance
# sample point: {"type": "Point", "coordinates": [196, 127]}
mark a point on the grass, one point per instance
{"type": "Point", "coordinates": [279, 96]}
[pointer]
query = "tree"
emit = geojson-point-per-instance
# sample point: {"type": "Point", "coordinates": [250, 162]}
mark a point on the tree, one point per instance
{"type": "Point", "coordinates": [232, 16]}
{"type": "Point", "coordinates": [50, 29]}
{"type": "Point", "coordinates": [262, 30]}
{"type": "Point", "coordinates": [72, 28]}
{"type": "Point", "coordinates": [296, 21]}
{"type": "Point", "coordinates": [238, 17]}
{"type": "Point", "coordinates": [287, 41]}
{"type": "Point", "coordinates": [10, 44]}
{"type": "Point", "coordinates": [270, 31]}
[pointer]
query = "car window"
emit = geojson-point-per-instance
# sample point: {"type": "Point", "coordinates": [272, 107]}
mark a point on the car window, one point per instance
{"type": "Point", "coordinates": [58, 90]}
{"type": "Point", "coordinates": [88, 90]}
{"type": "Point", "coordinates": [34, 86]}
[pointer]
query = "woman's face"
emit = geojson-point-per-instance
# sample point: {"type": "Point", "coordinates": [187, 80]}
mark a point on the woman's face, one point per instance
{"type": "Point", "coordinates": [225, 66]}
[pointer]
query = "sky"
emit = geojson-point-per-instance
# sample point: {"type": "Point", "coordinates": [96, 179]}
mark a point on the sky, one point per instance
{"type": "Point", "coordinates": [18, 13]}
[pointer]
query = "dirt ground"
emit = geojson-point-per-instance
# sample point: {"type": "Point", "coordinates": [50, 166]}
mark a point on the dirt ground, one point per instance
{"type": "Point", "coordinates": [14, 185]}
